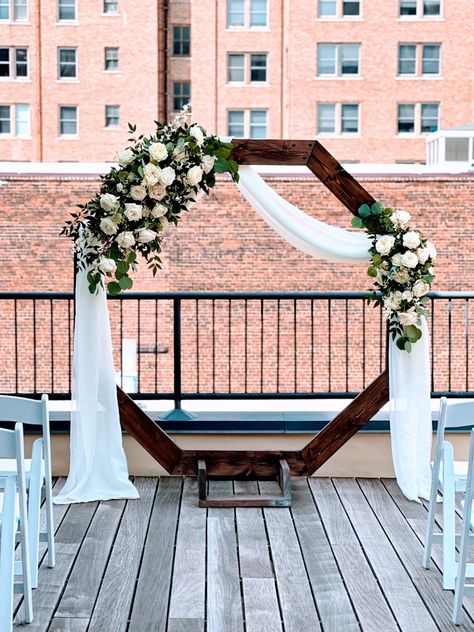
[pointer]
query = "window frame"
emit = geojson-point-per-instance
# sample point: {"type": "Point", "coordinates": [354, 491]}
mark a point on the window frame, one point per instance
{"type": "Point", "coordinates": [247, 124]}
{"type": "Point", "coordinates": [252, 12]}
{"type": "Point", "coordinates": [243, 68]}
{"type": "Point", "coordinates": [181, 40]}
{"type": "Point", "coordinates": [357, 118]}
{"type": "Point", "coordinates": [230, 12]}
{"type": "Point", "coordinates": [13, 64]}
{"type": "Point", "coordinates": [180, 96]}
{"type": "Point", "coordinates": [420, 11]}
{"type": "Point", "coordinates": [320, 105]}
{"type": "Point", "coordinates": [338, 109]}
{"type": "Point", "coordinates": [423, 105]}
{"type": "Point", "coordinates": [404, 133]}
{"type": "Point", "coordinates": [399, 60]}
{"type": "Point", "coordinates": [258, 81]}
{"type": "Point", "coordinates": [28, 121]}
{"type": "Point", "coordinates": [109, 49]}
{"type": "Point", "coordinates": [76, 65]}
{"type": "Point", "coordinates": [422, 59]}
{"type": "Point", "coordinates": [60, 120]}
{"type": "Point", "coordinates": [106, 3]}
{"type": "Point", "coordinates": [11, 9]}
{"type": "Point", "coordinates": [9, 119]}
{"type": "Point", "coordinates": [109, 116]}
{"type": "Point", "coordinates": [247, 14]}
{"type": "Point", "coordinates": [235, 111]}
{"type": "Point", "coordinates": [70, 3]}
{"type": "Point", "coordinates": [27, 11]}
{"type": "Point", "coordinates": [338, 60]}
{"type": "Point", "coordinates": [339, 10]}
{"type": "Point", "coordinates": [258, 125]}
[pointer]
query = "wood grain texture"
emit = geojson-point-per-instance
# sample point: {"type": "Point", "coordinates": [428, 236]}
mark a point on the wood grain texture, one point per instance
{"type": "Point", "coordinates": [261, 605]}
{"type": "Point", "coordinates": [338, 431]}
{"type": "Point", "coordinates": [271, 152]}
{"type": "Point", "coordinates": [68, 625]}
{"type": "Point", "coordinates": [112, 608]}
{"type": "Point", "coordinates": [185, 625]}
{"type": "Point", "coordinates": [150, 606]}
{"type": "Point", "coordinates": [147, 432]}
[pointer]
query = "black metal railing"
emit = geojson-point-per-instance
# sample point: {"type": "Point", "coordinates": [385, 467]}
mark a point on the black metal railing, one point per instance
{"type": "Point", "coordinates": [203, 345]}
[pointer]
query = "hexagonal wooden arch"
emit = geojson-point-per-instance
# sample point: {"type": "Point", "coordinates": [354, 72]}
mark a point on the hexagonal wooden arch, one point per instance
{"type": "Point", "coordinates": [265, 463]}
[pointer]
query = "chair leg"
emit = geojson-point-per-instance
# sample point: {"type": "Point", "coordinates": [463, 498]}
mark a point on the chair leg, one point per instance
{"type": "Point", "coordinates": [7, 565]}
{"type": "Point", "coordinates": [50, 521]}
{"type": "Point", "coordinates": [449, 536]}
{"type": "Point", "coordinates": [430, 524]}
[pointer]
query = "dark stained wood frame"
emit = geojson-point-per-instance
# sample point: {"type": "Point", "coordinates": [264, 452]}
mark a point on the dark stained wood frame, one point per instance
{"type": "Point", "coordinates": [266, 464]}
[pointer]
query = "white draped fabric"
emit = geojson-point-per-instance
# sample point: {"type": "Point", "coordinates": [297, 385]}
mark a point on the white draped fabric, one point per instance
{"type": "Point", "coordinates": [410, 404]}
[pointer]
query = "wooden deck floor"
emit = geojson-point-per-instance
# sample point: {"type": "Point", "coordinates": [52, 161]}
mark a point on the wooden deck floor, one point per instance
{"type": "Point", "coordinates": [346, 557]}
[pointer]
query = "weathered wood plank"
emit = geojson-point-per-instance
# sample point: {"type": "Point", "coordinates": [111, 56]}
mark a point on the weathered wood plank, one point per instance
{"type": "Point", "coordinates": [112, 608]}
{"type": "Point", "coordinates": [261, 605]}
{"type": "Point", "coordinates": [69, 537]}
{"type": "Point", "coordinates": [68, 625]}
{"type": "Point", "coordinates": [147, 432]}
{"type": "Point", "coordinates": [338, 431]}
{"type": "Point", "coordinates": [367, 598]}
{"type": "Point", "coordinates": [83, 584]}
{"type": "Point", "coordinates": [185, 625]}
{"type": "Point", "coordinates": [271, 152]}
{"type": "Point", "coordinates": [409, 550]}
{"type": "Point", "coordinates": [401, 594]}
{"type": "Point", "coordinates": [296, 600]}
{"type": "Point", "coordinates": [224, 600]}
{"type": "Point", "coordinates": [150, 605]}
{"type": "Point", "coordinates": [189, 573]}
{"type": "Point", "coordinates": [332, 600]}
{"type": "Point", "coordinates": [253, 545]}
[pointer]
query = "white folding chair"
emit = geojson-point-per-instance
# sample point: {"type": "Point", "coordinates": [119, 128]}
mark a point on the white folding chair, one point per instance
{"type": "Point", "coordinates": [38, 472]}
{"type": "Point", "coordinates": [13, 518]}
{"type": "Point", "coordinates": [465, 569]}
{"type": "Point", "coordinates": [449, 476]}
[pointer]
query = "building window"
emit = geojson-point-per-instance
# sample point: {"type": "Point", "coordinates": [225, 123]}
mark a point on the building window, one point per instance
{"type": "Point", "coordinates": [338, 8]}
{"type": "Point", "coordinates": [258, 123]}
{"type": "Point", "coordinates": [349, 118]}
{"type": "Point", "coordinates": [5, 120]}
{"type": "Point", "coordinates": [327, 8]}
{"type": "Point", "coordinates": [420, 8]}
{"type": "Point", "coordinates": [111, 58]}
{"type": "Point", "coordinates": [14, 63]}
{"type": "Point", "coordinates": [406, 118]}
{"type": "Point", "coordinates": [258, 67]}
{"type": "Point", "coordinates": [181, 95]}
{"type": "Point", "coordinates": [14, 9]}
{"type": "Point", "coordinates": [326, 118]}
{"type": "Point", "coordinates": [66, 10]}
{"type": "Point", "coordinates": [457, 149]}
{"type": "Point", "coordinates": [67, 58]}
{"type": "Point", "coordinates": [181, 41]}
{"type": "Point", "coordinates": [338, 59]}
{"type": "Point", "coordinates": [22, 120]}
{"type": "Point", "coordinates": [111, 6]}
{"type": "Point", "coordinates": [235, 123]}
{"type": "Point", "coordinates": [408, 7]}
{"type": "Point", "coordinates": [350, 7]}
{"type": "Point", "coordinates": [235, 13]}
{"type": "Point", "coordinates": [432, 7]}
{"type": "Point", "coordinates": [68, 120]}
{"type": "Point", "coordinates": [430, 59]}
{"type": "Point", "coordinates": [429, 117]}
{"type": "Point", "coordinates": [407, 59]}
{"type": "Point", "coordinates": [258, 13]}
{"type": "Point", "coordinates": [112, 115]}
{"type": "Point", "coordinates": [235, 67]}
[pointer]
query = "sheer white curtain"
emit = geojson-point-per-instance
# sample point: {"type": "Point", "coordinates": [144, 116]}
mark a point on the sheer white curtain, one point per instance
{"type": "Point", "coordinates": [410, 404]}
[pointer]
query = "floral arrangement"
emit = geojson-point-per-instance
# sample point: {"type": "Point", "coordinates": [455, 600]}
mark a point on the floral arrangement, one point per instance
{"type": "Point", "coordinates": [402, 266]}
{"type": "Point", "coordinates": [158, 178]}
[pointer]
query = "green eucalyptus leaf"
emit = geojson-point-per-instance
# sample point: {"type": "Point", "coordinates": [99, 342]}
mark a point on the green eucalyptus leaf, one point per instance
{"type": "Point", "coordinates": [113, 288]}
{"type": "Point", "coordinates": [401, 343]}
{"type": "Point", "coordinates": [126, 283]}
{"type": "Point", "coordinates": [372, 272]}
{"type": "Point", "coordinates": [413, 333]}
{"type": "Point", "coordinates": [221, 165]}
{"type": "Point", "coordinates": [357, 222]}
{"type": "Point", "coordinates": [376, 209]}
{"type": "Point", "coordinates": [364, 210]}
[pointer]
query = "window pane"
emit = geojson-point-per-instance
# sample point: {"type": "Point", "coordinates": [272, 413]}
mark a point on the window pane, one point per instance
{"type": "Point", "coordinates": [457, 149]}
{"type": "Point", "coordinates": [181, 94]}
{"type": "Point", "coordinates": [407, 7]}
{"type": "Point", "coordinates": [326, 59]}
{"type": "Point", "coordinates": [431, 7]}
{"type": "Point", "coordinates": [67, 9]}
{"type": "Point", "coordinates": [68, 119]}
{"type": "Point", "coordinates": [327, 8]}
{"type": "Point", "coordinates": [4, 62]}
{"type": "Point", "coordinates": [22, 122]}
{"type": "Point", "coordinates": [67, 63]}
{"type": "Point", "coordinates": [258, 67]}
{"type": "Point", "coordinates": [4, 9]}
{"type": "Point", "coordinates": [111, 58]}
{"type": "Point", "coordinates": [429, 117]}
{"type": "Point", "coordinates": [430, 64]}
{"type": "Point", "coordinates": [235, 123]}
{"type": "Point", "coordinates": [326, 118]}
{"type": "Point", "coordinates": [258, 12]}
{"type": "Point", "coordinates": [236, 67]}
{"type": "Point", "coordinates": [351, 7]}
{"type": "Point", "coordinates": [349, 59]}
{"type": "Point", "coordinates": [20, 10]}
{"type": "Point", "coordinates": [21, 58]}
{"type": "Point", "coordinates": [258, 124]}
{"type": "Point", "coordinates": [235, 12]}
{"type": "Point", "coordinates": [110, 6]}
{"type": "Point", "coordinates": [181, 40]}
{"type": "Point", "coordinates": [406, 118]}
{"type": "Point", "coordinates": [5, 124]}
{"type": "Point", "coordinates": [112, 115]}
{"type": "Point", "coordinates": [349, 118]}
{"type": "Point", "coordinates": [407, 59]}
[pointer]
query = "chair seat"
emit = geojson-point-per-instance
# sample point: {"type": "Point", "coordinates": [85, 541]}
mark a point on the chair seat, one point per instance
{"type": "Point", "coordinates": [17, 506]}
{"type": "Point", "coordinates": [8, 466]}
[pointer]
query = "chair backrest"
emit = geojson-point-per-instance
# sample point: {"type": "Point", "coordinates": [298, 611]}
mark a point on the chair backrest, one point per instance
{"type": "Point", "coordinates": [27, 411]}
{"type": "Point", "coordinates": [12, 447]}
{"type": "Point", "coordinates": [7, 444]}
{"type": "Point", "coordinates": [452, 415]}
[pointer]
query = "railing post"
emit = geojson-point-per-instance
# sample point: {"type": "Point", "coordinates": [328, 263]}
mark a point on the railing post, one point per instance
{"type": "Point", "coordinates": [177, 413]}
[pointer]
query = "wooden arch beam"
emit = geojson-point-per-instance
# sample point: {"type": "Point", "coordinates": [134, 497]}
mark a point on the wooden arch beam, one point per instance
{"type": "Point", "coordinates": [265, 464]}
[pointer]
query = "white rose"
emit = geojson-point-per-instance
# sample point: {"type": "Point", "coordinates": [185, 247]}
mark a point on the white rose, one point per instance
{"type": "Point", "coordinates": [125, 157]}
{"type": "Point", "coordinates": [432, 250]}
{"type": "Point", "coordinates": [133, 212]}
{"type": "Point", "coordinates": [157, 192]}
{"type": "Point", "coordinates": [400, 218]}
{"type": "Point", "coordinates": [120, 187]}
{"type": "Point", "coordinates": [403, 276]}
{"type": "Point", "coordinates": [146, 212]}
{"type": "Point", "coordinates": [397, 260]}
{"type": "Point", "coordinates": [207, 163]}
{"type": "Point", "coordinates": [194, 175]}
{"type": "Point", "coordinates": [384, 244]}
{"type": "Point", "coordinates": [409, 259]}
{"type": "Point", "coordinates": [159, 210]}
{"type": "Point", "coordinates": [196, 131]}
{"type": "Point", "coordinates": [107, 266]}
{"type": "Point", "coordinates": [138, 192]}
{"type": "Point", "coordinates": [407, 296]}
{"type": "Point", "coordinates": [108, 226]}
{"type": "Point", "coordinates": [125, 240]}
{"type": "Point", "coordinates": [180, 154]}
{"type": "Point", "coordinates": [421, 288]}
{"type": "Point", "coordinates": [167, 176]}
{"type": "Point", "coordinates": [145, 235]}
{"type": "Point", "coordinates": [109, 202]}
{"type": "Point", "coordinates": [393, 300]}
{"type": "Point", "coordinates": [158, 151]}
{"type": "Point", "coordinates": [423, 255]}
{"type": "Point", "coordinates": [152, 174]}
{"type": "Point", "coordinates": [408, 318]}
{"type": "Point", "coordinates": [411, 239]}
